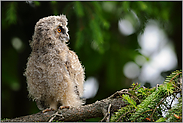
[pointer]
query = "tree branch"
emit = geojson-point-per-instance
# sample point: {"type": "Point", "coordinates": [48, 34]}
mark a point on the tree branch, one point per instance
{"type": "Point", "coordinates": [76, 114]}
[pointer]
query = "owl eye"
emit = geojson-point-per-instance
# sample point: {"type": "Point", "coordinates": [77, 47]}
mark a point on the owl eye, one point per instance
{"type": "Point", "coordinates": [60, 29]}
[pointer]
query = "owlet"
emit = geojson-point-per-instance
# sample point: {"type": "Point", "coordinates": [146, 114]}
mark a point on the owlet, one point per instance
{"type": "Point", "coordinates": [54, 73]}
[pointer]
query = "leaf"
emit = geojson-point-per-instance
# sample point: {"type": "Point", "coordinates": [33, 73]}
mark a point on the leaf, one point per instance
{"type": "Point", "coordinates": [130, 100]}
{"type": "Point", "coordinates": [169, 88]}
{"type": "Point", "coordinates": [161, 120]}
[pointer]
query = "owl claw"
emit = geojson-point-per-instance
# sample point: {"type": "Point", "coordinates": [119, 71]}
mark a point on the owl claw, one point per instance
{"type": "Point", "coordinates": [48, 109]}
{"type": "Point", "coordinates": [62, 107]}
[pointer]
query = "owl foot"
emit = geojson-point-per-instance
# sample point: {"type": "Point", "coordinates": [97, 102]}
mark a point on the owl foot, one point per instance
{"type": "Point", "coordinates": [48, 109]}
{"type": "Point", "coordinates": [62, 107]}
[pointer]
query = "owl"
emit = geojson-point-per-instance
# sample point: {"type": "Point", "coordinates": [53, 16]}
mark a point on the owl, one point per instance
{"type": "Point", "coordinates": [54, 73]}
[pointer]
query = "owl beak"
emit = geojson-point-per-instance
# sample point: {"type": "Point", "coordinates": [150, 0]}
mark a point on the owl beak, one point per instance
{"type": "Point", "coordinates": [67, 37]}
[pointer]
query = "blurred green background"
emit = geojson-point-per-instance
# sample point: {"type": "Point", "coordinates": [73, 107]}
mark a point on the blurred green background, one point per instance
{"type": "Point", "coordinates": [97, 32]}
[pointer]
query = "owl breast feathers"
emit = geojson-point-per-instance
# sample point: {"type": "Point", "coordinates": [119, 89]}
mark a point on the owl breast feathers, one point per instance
{"type": "Point", "coordinates": [54, 73]}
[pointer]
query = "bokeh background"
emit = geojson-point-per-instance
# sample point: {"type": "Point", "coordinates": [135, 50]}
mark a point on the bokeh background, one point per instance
{"type": "Point", "coordinates": [118, 43]}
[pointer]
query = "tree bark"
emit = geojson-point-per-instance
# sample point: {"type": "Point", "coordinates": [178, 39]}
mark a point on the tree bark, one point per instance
{"type": "Point", "coordinates": [97, 109]}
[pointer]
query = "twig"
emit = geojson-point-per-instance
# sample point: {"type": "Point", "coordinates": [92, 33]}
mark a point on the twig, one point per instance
{"type": "Point", "coordinates": [131, 95]}
{"type": "Point", "coordinates": [107, 115]}
{"type": "Point", "coordinates": [172, 101]}
{"type": "Point", "coordinates": [54, 115]}
{"type": "Point", "coordinates": [135, 85]}
{"type": "Point", "coordinates": [118, 93]}
{"type": "Point", "coordinates": [177, 87]}
{"type": "Point", "coordinates": [157, 106]}
{"type": "Point", "coordinates": [175, 76]}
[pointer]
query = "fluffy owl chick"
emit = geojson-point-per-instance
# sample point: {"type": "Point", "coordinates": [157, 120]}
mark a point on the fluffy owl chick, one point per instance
{"type": "Point", "coordinates": [54, 73]}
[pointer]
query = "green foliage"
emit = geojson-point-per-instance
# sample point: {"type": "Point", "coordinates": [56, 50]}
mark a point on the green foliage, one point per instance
{"type": "Point", "coordinates": [174, 114]}
{"type": "Point", "coordinates": [123, 114]}
{"type": "Point", "coordinates": [79, 9]}
{"type": "Point", "coordinates": [11, 16]}
{"type": "Point", "coordinates": [161, 120]}
{"type": "Point", "coordinates": [37, 3]}
{"type": "Point", "coordinates": [130, 100]}
{"type": "Point", "coordinates": [4, 119]}
{"type": "Point", "coordinates": [156, 101]}
{"type": "Point", "coordinates": [95, 25]}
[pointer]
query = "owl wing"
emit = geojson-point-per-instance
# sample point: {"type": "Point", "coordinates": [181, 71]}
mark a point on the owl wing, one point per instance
{"type": "Point", "coordinates": [75, 71]}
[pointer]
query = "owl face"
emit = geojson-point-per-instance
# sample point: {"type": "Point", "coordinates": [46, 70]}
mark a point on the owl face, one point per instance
{"type": "Point", "coordinates": [50, 30]}
{"type": "Point", "coordinates": [61, 30]}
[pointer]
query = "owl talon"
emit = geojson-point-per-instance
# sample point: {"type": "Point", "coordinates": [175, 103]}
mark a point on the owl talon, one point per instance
{"type": "Point", "coordinates": [48, 109]}
{"type": "Point", "coordinates": [62, 107]}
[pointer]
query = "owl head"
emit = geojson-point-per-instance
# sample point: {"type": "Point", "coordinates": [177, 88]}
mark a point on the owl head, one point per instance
{"type": "Point", "coordinates": [50, 31]}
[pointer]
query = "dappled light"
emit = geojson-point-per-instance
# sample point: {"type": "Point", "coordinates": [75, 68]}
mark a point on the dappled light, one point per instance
{"type": "Point", "coordinates": [17, 43]}
{"type": "Point", "coordinates": [131, 70]}
{"type": "Point", "coordinates": [126, 27]}
{"type": "Point", "coordinates": [90, 87]}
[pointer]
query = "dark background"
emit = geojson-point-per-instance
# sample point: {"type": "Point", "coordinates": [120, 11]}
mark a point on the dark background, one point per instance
{"type": "Point", "coordinates": [89, 24]}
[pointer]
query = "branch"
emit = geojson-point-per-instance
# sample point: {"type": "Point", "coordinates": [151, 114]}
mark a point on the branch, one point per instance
{"type": "Point", "coordinates": [97, 109]}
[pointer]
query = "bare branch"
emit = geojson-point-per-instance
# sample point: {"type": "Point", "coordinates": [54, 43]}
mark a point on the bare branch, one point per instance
{"type": "Point", "coordinates": [75, 114]}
